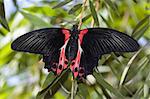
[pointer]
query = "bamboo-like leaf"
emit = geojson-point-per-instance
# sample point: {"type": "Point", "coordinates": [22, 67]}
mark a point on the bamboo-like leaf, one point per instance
{"type": "Point", "coordinates": [50, 77]}
{"type": "Point", "coordinates": [124, 74]}
{"type": "Point", "coordinates": [107, 23]}
{"type": "Point", "coordinates": [146, 87]}
{"type": "Point", "coordinates": [98, 93]}
{"type": "Point", "coordinates": [141, 64]}
{"type": "Point", "coordinates": [62, 4]}
{"type": "Point", "coordinates": [75, 8]}
{"type": "Point", "coordinates": [93, 12]}
{"type": "Point", "coordinates": [15, 3]}
{"type": "Point", "coordinates": [3, 20]}
{"type": "Point", "coordinates": [83, 91]}
{"type": "Point", "coordinates": [102, 82]}
{"type": "Point", "coordinates": [45, 10]}
{"type": "Point", "coordinates": [35, 20]}
{"type": "Point", "coordinates": [86, 17]}
{"type": "Point", "coordinates": [112, 6]}
{"type": "Point", "coordinates": [141, 27]}
{"type": "Point", "coordinates": [139, 92]}
{"type": "Point", "coordinates": [135, 1]}
{"type": "Point", "coordinates": [53, 86]}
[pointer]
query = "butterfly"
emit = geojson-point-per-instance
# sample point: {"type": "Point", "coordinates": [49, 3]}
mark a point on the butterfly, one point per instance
{"type": "Point", "coordinates": [76, 49]}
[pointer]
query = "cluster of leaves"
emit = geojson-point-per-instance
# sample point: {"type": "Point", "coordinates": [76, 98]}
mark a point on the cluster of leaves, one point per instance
{"type": "Point", "coordinates": [22, 75]}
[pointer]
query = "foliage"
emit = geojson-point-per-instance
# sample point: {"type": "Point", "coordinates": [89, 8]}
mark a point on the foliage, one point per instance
{"type": "Point", "coordinates": [22, 75]}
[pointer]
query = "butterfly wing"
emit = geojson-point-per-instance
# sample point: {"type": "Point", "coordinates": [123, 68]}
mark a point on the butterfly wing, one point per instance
{"type": "Point", "coordinates": [42, 41]}
{"type": "Point", "coordinates": [51, 61]}
{"type": "Point", "coordinates": [99, 41]}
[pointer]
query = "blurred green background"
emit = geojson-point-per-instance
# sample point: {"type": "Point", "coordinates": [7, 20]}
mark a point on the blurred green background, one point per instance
{"type": "Point", "coordinates": [22, 75]}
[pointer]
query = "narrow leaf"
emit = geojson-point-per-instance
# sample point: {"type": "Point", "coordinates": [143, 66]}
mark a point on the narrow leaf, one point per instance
{"type": "Point", "coordinates": [102, 82]}
{"type": "Point", "coordinates": [50, 77]}
{"type": "Point", "coordinates": [75, 8]}
{"type": "Point", "coordinates": [3, 20]}
{"type": "Point", "coordinates": [125, 72]}
{"type": "Point", "coordinates": [141, 27]}
{"type": "Point", "coordinates": [45, 10]}
{"type": "Point", "coordinates": [107, 23]}
{"type": "Point", "coordinates": [53, 86]}
{"type": "Point", "coordinates": [83, 91]}
{"type": "Point", "coordinates": [135, 1]}
{"type": "Point", "coordinates": [93, 12]}
{"type": "Point", "coordinates": [35, 20]}
{"type": "Point", "coordinates": [86, 17]}
{"type": "Point", "coordinates": [112, 6]}
{"type": "Point", "coordinates": [62, 4]}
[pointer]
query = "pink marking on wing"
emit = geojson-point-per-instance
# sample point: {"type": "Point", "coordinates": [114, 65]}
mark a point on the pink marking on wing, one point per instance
{"type": "Point", "coordinates": [75, 68]}
{"type": "Point", "coordinates": [54, 68]}
{"type": "Point", "coordinates": [81, 35]}
{"type": "Point", "coordinates": [61, 66]}
{"type": "Point", "coordinates": [72, 65]}
{"type": "Point", "coordinates": [61, 61]}
{"type": "Point", "coordinates": [65, 64]}
{"type": "Point", "coordinates": [67, 34]}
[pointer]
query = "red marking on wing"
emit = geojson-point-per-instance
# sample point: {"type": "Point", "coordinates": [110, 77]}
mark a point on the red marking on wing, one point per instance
{"type": "Point", "coordinates": [82, 33]}
{"type": "Point", "coordinates": [75, 67]}
{"type": "Point", "coordinates": [62, 59]}
{"type": "Point", "coordinates": [67, 34]}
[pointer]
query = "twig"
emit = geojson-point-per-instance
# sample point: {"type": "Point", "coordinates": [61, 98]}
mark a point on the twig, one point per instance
{"type": "Point", "coordinates": [68, 92]}
{"type": "Point", "coordinates": [72, 89]}
{"type": "Point", "coordinates": [81, 15]}
{"type": "Point", "coordinates": [97, 6]}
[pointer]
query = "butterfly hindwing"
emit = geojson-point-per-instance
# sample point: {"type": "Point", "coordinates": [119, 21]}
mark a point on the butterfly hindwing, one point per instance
{"type": "Point", "coordinates": [99, 41]}
{"type": "Point", "coordinates": [51, 61]}
{"type": "Point", "coordinates": [42, 41]}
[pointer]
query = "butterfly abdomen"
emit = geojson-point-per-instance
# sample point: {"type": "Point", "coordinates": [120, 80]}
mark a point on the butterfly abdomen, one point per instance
{"type": "Point", "coordinates": [72, 48]}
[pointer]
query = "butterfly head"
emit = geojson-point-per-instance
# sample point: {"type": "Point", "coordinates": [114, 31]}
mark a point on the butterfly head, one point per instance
{"type": "Point", "coordinates": [74, 29]}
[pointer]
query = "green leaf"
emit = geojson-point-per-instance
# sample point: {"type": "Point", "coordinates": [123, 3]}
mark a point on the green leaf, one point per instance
{"type": "Point", "coordinates": [62, 4]}
{"type": "Point", "coordinates": [137, 69]}
{"type": "Point", "coordinates": [86, 17]}
{"type": "Point", "coordinates": [5, 50]}
{"type": "Point", "coordinates": [147, 34]}
{"type": "Point", "coordinates": [75, 8]}
{"type": "Point", "coordinates": [138, 93]}
{"type": "Point", "coordinates": [107, 23]}
{"type": "Point", "coordinates": [50, 77]}
{"type": "Point", "coordinates": [3, 20]}
{"type": "Point", "coordinates": [125, 72]}
{"type": "Point", "coordinates": [15, 3]}
{"type": "Point", "coordinates": [83, 91]}
{"type": "Point", "coordinates": [45, 10]}
{"type": "Point", "coordinates": [35, 20]}
{"type": "Point", "coordinates": [93, 12]}
{"type": "Point", "coordinates": [135, 1]}
{"type": "Point", "coordinates": [112, 6]}
{"type": "Point", "coordinates": [3, 31]}
{"type": "Point", "coordinates": [102, 82]}
{"type": "Point", "coordinates": [5, 54]}
{"type": "Point", "coordinates": [141, 27]}
{"type": "Point", "coordinates": [54, 85]}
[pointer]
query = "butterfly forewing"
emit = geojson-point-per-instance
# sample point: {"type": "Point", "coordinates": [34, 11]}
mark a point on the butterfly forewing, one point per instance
{"type": "Point", "coordinates": [99, 41]}
{"type": "Point", "coordinates": [42, 41]}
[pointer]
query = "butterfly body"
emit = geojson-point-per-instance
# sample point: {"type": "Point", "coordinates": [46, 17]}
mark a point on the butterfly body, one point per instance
{"type": "Point", "coordinates": [71, 51]}
{"type": "Point", "coordinates": [77, 49]}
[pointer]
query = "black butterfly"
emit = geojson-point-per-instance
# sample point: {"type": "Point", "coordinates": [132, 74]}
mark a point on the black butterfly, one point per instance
{"type": "Point", "coordinates": [79, 49]}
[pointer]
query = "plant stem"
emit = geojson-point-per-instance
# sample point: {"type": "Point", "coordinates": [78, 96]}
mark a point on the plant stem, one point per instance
{"type": "Point", "coordinates": [73, 89]}
{"type": "Point", "coordinates": [81, 15]}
